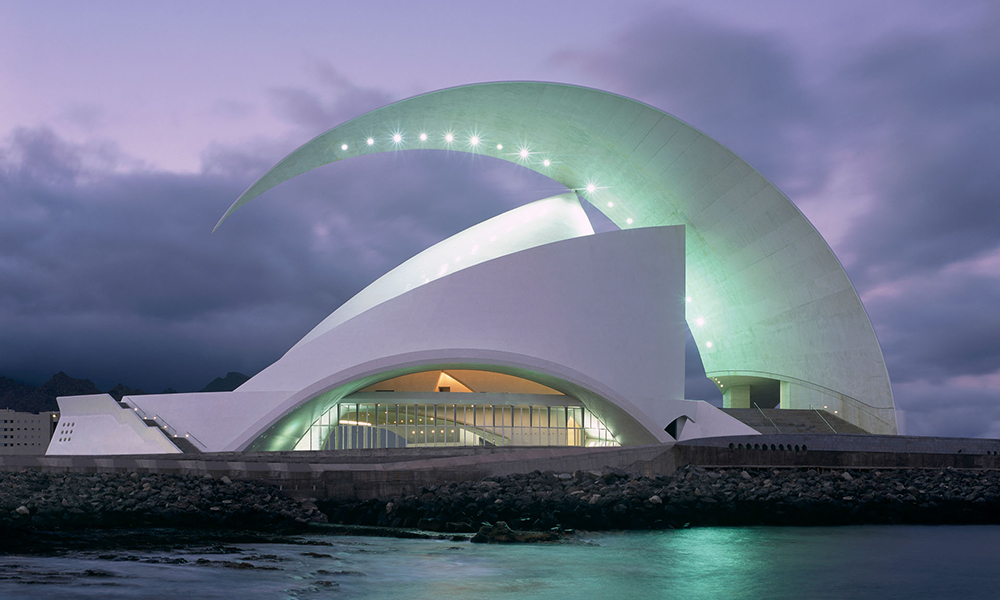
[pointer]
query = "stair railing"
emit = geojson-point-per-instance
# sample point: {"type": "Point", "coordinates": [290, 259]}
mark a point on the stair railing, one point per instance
{"type": "Point", "coordinates": [162, 424]}
{"type": "Point", "coordinates": [767, 417]}
{"type": "Point", "coordinates": [190, 435]}
{"type": "Point", "coordinates": [824, 419]}
{"type": "Point", "coordinates": [166, 427]}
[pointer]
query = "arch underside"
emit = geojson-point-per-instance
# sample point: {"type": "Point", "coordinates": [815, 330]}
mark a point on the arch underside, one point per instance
{"type": "Point", "coordinates": [766, 293]}
{"type": "Point", "coordinates": [291, 431]}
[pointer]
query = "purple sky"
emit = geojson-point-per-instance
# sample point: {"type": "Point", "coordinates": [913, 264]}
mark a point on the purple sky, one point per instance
{"type": "Point", "coordinates": [127, 129]}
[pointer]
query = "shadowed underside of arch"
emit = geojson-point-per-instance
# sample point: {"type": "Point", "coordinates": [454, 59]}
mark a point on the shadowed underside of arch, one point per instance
{"type": "Point", "coordinates": [766, 297]}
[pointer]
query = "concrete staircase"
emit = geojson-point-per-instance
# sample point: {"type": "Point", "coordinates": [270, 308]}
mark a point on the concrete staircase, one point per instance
{"type": "Point", "coordinates": [775, 420]}
{"type": "Point", "coordinates": [183, 444]}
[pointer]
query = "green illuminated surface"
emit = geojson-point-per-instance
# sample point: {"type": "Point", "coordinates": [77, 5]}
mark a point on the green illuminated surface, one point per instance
{"type": "Point", "coordinates": [768, 298]}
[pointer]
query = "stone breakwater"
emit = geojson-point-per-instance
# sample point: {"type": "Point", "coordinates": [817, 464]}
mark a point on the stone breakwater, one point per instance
{"type": "Point", "coordinates": [693, 496]}
{"type": "Point", "coordinates": [32, 499]}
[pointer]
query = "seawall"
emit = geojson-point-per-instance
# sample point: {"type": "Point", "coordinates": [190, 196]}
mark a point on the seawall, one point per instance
{"type": "Point", "coordinates": [367, 474]}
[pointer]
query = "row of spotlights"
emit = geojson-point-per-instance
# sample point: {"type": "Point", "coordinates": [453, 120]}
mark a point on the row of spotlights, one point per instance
{"type": "Point", "coordinates": [474, 141]}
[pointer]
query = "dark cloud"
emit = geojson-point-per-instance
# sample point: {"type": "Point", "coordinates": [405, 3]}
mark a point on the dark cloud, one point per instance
{"type": "Point", "coordinates": [951, 409]}
{"type": "Point", "coordinates": [938, 327]}
{"type": "Point", "coordinates": [117, 276]}
{"type": "Point", "coordinates": [339, 100]}
{"type": "Point", "coordinates": [740, 87]}
{"type": "Point", "coordinates": [930, 107]}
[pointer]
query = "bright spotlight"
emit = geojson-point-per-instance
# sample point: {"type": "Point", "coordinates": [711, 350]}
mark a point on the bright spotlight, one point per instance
{"type": "Point", "coordinates": [499, 146]}
{"type": "Point", "coordinates": [423, 137]}
{"type": "Point", "coordinates": [546, 162]}
{"type": "Point", "coordinates": [371, 141]}
{"type": "Point", "coordinates": [628, 221]}
{"type": "Point", "coordinates": [397, 138]}
{"type": "Point", "coordinates": [591, 188]}
{"type": "Point", "coordinates": [474, 140]}
{"type": "Point", "coordinates": [700, 321]}
{"type": "Point", "coordinates": [523, 153]}
{"type": "Point", "coordinates": [343, 146]}
{"type": "Point", "coordinates": [688, 299]}
{"type": "Point", "coordinates": [449, 138]}
{"type": "Point", "coordinates": [708, 344]}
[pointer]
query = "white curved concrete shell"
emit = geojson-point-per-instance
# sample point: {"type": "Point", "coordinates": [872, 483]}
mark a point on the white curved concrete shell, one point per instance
{"type": "Point", "coordinates": [535, 295]}
{"type": "Point", "coordinates": [577, 332]}
{"type": "Point", "coordinates": [541, 222]}
{"type": "Point", "coordinates": [768, 298]}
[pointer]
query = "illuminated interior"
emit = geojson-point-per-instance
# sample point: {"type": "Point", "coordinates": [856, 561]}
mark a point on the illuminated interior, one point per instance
{"type": "Point", "coordinates": [457, 407]}
{"type": "Point", "coordinates": [461, 381]}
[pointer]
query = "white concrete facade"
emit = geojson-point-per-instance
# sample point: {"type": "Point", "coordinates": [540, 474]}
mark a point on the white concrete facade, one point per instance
{"type": "Point", "coordinates": [585, 329]}
{"type": "Point", "coordinates": [98, 425]}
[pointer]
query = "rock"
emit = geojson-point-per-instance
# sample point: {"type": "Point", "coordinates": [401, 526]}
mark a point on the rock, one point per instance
{"type": "Point", "coordinates": [654, 499]}
{"type": "Point", "coordinates": [226, 480]}
{"type": "Point", "coordinates": [502, 534]}
{"type": "Point", "coordinates": [23, 510]}
{"type": "Point", "coordinates": [847, 476]}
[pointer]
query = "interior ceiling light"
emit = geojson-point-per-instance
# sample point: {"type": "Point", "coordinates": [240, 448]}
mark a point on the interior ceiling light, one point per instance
{"type": "Point", "coordinates": [523, 153]}
{"type": "Point", "coordinates": [546, 162]}
{"type": "Point", "coordinates": [423, 137]}
{"type": "Point", "coordinates": [449, 138]}
{"type": "Point", "coordinates": [397, 138]}
{"type": "Point", "coordinates": [474, 140]}
{"type": "Point", "coordinates": [371, 142]}
{"type": "Point", "coordinates": [343, 146]}
{"type": "Point", "coordinates": [499, 146]}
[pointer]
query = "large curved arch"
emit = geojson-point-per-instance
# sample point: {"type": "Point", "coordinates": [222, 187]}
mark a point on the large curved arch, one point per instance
{"type": "Point", "coordinates": [767, 296]}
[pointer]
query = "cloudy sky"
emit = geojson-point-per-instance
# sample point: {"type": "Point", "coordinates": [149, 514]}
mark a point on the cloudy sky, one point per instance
{"type": "Point", "coordinates": [127, 129]}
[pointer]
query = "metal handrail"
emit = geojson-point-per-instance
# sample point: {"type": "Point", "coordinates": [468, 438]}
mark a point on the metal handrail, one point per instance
{"type": "Point", "coordinates": [200, 443]}
{"type": "Point", "coordinates": [167, 428]}
{"type": "Point", "coordinates": [824, 419]}
{"type": "Point", "coordinates": [767, 417]}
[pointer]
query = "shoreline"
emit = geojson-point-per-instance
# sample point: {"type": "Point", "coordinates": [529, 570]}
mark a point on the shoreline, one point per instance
{"type": "Point", "coordinates": [38, 508]}
{"type": "Point", "coordinates": [693, 496]}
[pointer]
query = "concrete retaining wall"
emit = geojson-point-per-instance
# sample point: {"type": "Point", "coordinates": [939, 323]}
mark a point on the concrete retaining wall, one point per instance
{"type": "Point", "coordinates": [364, 474]}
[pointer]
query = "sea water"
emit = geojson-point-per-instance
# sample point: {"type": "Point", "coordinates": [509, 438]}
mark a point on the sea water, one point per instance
{"type": "Point", "coordinates": [877, 562]}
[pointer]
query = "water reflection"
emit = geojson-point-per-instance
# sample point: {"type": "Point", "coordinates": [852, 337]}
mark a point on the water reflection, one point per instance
{"type": "Point", "coordinates": [883, 563]}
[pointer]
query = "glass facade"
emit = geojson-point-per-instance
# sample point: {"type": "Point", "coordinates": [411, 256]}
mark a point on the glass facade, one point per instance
{"type": "Point", "coordinates": [359, 425]}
